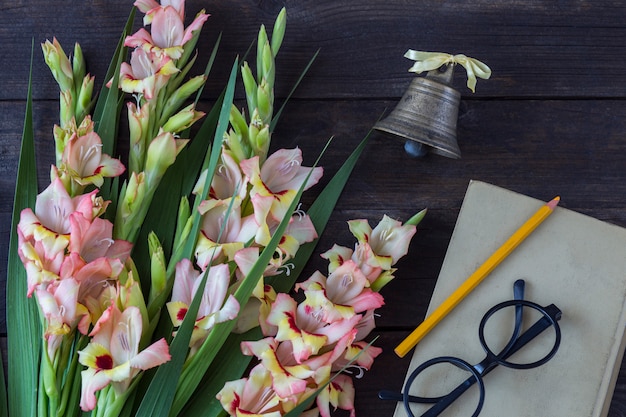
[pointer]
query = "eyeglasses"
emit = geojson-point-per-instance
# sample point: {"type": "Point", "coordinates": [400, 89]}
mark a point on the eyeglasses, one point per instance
{"type": "Point", "coordinates": [549, 317]}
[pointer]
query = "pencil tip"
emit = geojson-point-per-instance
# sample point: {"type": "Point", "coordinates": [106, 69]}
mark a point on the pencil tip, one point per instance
{"type": "Point", "coordinates": [552, 204]}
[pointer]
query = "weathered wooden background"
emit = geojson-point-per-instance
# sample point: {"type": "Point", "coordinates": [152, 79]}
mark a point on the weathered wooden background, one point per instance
{"type": "Point", "coordinates": [550, 121]}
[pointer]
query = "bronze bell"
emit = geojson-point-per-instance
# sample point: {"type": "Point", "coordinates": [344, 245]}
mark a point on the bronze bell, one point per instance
{"type": "Point", "coordinates": [427, 115]}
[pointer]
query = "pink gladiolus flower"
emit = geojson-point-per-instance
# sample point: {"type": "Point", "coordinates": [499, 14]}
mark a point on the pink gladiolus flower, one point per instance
{"type": "Point", "coordinates": [95, 278]}
{"type": "Point", "coordinates": [339, 393]}
{"type": "Point", "coordinates": [228, 181]}
{"type": "Point", "coordinates": [147, 73]}
{"type": "Point", "coordinates": [363, 256]}
{"type": "Point", "coordinates": [290, 327]}
{"type": "Point", "coordinates": [361, 353]}
{"type": "Point", "coordinates": [167, 34]}
{"type": "Point", "coordinates": [93, 239]}
{"type": "Point", "coordinates": [53, 208]}
{"type": "Point", "coordinates": [85, 163]}
{"type": "Point", "coordinates": [251, 396]}
{"type": "Point", "coordinates": [299, 230]}
{"type": "Point", "coordinates": [288, 379]}
{"type": "Point", "coordinates": [223, 232]}
{"type": "Point", "coordinates": [62, 311]}
{"type": "Point", "coordinates": [149, 6]}
{"type": "Point", "coordinates": [44, 234]}
{"type": "Point", "coordinates": [341, 295]}
{"type": "Point", "coordinates": [389, 240]}
{"type": "Point", "coordinates": [113, 354]}
{"type": "Point", "coordinates": [216, 305]}
{"type": "Point", "coordinates": [280, 177]}
{"type": "Point", "coordinates": [306, 331]}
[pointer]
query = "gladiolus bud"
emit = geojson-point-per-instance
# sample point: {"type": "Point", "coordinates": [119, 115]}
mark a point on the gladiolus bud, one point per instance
{"type": "Point", "coordinates": [61, 136]}
{"type": "Point", "coordinates": [161, 155]}
{"type": "Point", "coordinates": [250, 86]}
{"type": "Point", "coordinates": [183, 119]}
{"type": "Point", "coordinates": [79, 68]}
{"type": "Point", "coordinates": [84, 102]}
{"type": "Point", "coordinates": [260, 46]}
{"type": "Point", "coordinates": [264, 102]}
{"type": "Point", "coordinates": [416, 219]}
{"type": "Point", "coordinates": [279, 31]}
{"type": "Point", "coordinates": [132, 197]}
{"type": "Point", "coordinates": [236, 145]}
{"type": "Point", "coordinates": [138, 122]}
{"type": "Point", "coordinates": [180, 95]}
{"type": "Point", "coordinates": [59, 64]}
{"type": "Point", "coordinates": [157, 266]}
{"type": "Point", "coordinates": [262, 142]}
{"type": "Point", "coordinates": [269, 70]}
{"type": "Point", "coordinates": [238, 122]}
{"type": "Point", "coordinates": [66, 108]}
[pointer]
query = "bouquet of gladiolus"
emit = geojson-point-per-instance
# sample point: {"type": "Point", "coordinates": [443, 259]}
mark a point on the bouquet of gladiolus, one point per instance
{"type": "Point", "coordinates": [148, 287]}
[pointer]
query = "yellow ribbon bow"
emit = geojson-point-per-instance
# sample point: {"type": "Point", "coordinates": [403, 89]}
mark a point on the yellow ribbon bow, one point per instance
{"type": "Point", "coordinates": [427, 61]}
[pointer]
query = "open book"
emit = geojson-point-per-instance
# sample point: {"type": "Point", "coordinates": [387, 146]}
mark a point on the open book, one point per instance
{"type": "Point", "coordinates": [571, 260]}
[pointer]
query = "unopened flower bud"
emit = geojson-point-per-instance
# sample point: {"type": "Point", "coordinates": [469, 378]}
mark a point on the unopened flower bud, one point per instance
{"type": "Point", "coordinates": [179, 96]}
{"type": "Point", "coordinates": [250, 86]}
{"type": "Point", "coordinates": [132, 196]}
{"type": "Point", "coordinates": [262, 142]}
{"type": "Point", "coordinates": [79, 68]}
{"type": "Point", "coordinates": [261, 41]}
{"type": "Point", "coordinates": [264, 102]}
{"type": "Point", "coordinates": [61, 136]}
{"type": "Point", "coordinates": [279, 31]}
{"type": "Point", "coordinates": [84, 101]}
{"type": "Point", "coordinates": [158, 273]}
{"type": "Point", "coordinates": [416, 219]}
{"type": "Point", "coordinates": [161, 155]}
{"type": "Point", "coordinates": [59, 64]}
{"type": "Point", "coordinates": [269, 69]}
{"type": "Point", "coordinates": [183, 119]}
{"type": "Point", "coordinates": [66, 108]}
{"type": "Point", "coordinates": [138, 124]}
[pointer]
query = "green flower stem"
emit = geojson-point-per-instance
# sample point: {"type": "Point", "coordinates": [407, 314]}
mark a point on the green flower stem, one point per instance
{"type": "Point", "coordinates": [70, 392]}
{"type": "Point", "coordinates": [42, 399]}
{"type": "Point", "coordinates": [48, 391]}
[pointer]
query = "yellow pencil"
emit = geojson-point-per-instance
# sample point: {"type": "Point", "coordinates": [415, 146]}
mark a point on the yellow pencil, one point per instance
{"type": "Point", "coordinates": [473, 280]}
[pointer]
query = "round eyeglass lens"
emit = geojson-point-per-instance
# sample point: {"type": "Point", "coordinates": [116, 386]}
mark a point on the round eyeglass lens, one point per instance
{"type": "Point", "coordinates": [520, 334]}
{"type": "Point", "coordinates": [444, 383]}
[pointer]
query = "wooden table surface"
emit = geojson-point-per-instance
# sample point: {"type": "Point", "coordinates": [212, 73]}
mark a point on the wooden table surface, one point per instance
{"type": "Point", "coordinates": [551, 120]}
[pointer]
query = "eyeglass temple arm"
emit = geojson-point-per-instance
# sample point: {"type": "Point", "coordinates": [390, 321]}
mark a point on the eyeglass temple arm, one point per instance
{"type": "Point", "coordinates": [518, 294]}
{"type": "Point", "coordinates": [488, 364]}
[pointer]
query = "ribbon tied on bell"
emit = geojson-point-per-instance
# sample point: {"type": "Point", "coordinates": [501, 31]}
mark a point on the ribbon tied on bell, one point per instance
{"type": "Point", "coordinates": [428, 61]}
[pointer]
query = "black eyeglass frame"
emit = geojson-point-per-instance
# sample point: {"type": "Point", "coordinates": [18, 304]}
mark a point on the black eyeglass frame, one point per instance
{"type": "Point", "coordinates": [550, 316]}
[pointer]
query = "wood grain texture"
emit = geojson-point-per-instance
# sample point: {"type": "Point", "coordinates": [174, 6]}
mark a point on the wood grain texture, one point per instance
{"type": "Point", "coordinates": [550, 121]}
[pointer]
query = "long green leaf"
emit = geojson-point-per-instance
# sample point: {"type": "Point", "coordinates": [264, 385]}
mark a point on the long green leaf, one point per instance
{"type": "Point", "coordinates": [319, 212]}
{"type": "Point", "coordinates": [158, 398]}
{"type": "Point", "coordinates": [106, 114]}
{"type": "Point", "coordinates": [228, 365]}
{"type": "Point", "coordinates": [22, 316]}
{"type": "Point", "coordinates": [293, 89]}
{"type": "Point", "coordinates": [195, 371]}
{"type": "Point", "coordinates": [203, 401]}
{"type": "Point", "coordinates": [160, 394]}
{"type": "Point", "coordinates": [177, 182]}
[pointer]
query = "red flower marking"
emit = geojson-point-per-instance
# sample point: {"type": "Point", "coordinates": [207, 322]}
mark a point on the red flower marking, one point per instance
{"type": "Point", "coordinates": [181, 314]}
{"type": "Point", "coordinates": [104, 362]}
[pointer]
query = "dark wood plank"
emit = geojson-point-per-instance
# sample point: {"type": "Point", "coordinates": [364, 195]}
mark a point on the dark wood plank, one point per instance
{"type": "Point", "coordinates": [540, 48]}
{"type": "Point", "coordinates": [550, 121]}
{"type": "Point", "coordinates": [541, 148]}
